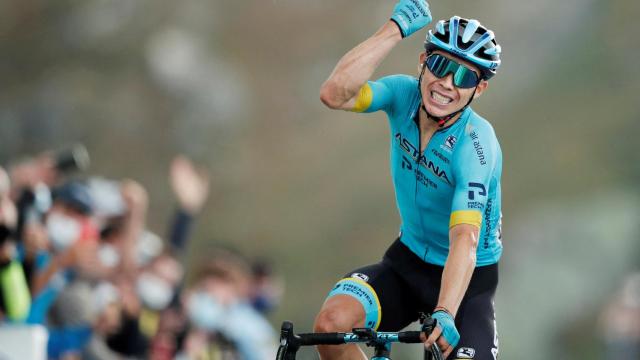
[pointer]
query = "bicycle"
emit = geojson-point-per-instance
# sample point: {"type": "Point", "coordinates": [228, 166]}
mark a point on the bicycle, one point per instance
{"type": "Point", "coordinates": [290, 342]}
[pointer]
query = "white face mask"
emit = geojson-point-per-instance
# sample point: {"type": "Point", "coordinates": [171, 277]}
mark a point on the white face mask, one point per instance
{"type": "Point", "coordinates": [108, 255]}
{"type": "Point", "coordinates": [155, 292]}
{"type": "Point", "coordinates": [205, 312]}
{"type": "Point", "coordinates": [63, 231]}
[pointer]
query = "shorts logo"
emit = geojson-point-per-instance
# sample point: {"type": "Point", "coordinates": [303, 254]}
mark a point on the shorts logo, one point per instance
{"type": "Point", "coordinates": [466, 353]}
{"type": "Point", "coordinates": [360, 276]}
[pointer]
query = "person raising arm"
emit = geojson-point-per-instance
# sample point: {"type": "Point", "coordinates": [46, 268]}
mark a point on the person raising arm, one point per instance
{"type": "Point", "coordinates": [446, 165]}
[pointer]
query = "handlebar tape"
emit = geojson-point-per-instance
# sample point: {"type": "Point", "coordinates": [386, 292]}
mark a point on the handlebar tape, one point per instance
{"type": "Point", "coordinates": [322, 339]}
{"type": "Point", "coordinates": [409, 337]}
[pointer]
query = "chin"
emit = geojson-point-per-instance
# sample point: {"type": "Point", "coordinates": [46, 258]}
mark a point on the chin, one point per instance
{"type": "Point", "coordinates": [438, 111]}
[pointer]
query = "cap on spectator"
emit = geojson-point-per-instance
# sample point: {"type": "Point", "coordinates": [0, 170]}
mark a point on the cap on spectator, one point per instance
{"type": "Point", "coordinates": [75, 195]}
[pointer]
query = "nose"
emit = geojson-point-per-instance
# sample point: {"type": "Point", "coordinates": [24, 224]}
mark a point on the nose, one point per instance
{"type": "Point", "coordinates": [447, 81]}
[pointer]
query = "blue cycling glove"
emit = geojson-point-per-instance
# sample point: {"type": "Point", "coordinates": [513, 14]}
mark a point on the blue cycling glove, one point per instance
{"type": "Point", "coordinates": [411, 16]}
{"type": "Point", "coordinates": [446, 323]}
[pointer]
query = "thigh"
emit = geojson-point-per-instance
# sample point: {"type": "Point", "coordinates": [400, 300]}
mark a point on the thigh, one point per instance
{"type": "Point", "coordinates": [477, 326]}
{"type": "Point", "coordinates": [388, 302]}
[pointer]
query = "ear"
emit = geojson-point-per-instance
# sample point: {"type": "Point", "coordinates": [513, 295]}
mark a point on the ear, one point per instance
{"type": "Point", "coordinates": [423, 56]}
{"type": "Point", "coordinates": [482, 86]}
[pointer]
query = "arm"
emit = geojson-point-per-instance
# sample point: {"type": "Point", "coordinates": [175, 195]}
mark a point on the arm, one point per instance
{"type": "Point", "coordinates": [341, 90]}
{"type": "Point", "coordinates": [137, 200]}
{"type": "Point", "coordinates": [357, 66]}
{"type": "Point", "coordinates": [57, 263]}
{"type": "Point", "coordinates": [191, 188]}
{"type": "Point", "coordinates": [455, 280]}
{"type": "Point", "coordinates": [459, 266]}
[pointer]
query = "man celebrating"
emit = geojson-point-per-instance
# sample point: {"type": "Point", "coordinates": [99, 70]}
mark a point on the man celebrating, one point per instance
{"type": "Point", "coordinates": [446, 165]}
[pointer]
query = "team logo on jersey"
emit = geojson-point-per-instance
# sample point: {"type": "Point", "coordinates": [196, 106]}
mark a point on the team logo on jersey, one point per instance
{"type": "Point", "coordinates": [360, 276]}
{"type": "Point", "coordinates": [466, 353]}
{"type": "Point", "coordinates": [450, 142]}
{"type": "Point", "coordinates": [422, 160]}
{"type": "Point", "coordinates": [476, 188]}
{"type": "Point", "coordinates": [478, 147]}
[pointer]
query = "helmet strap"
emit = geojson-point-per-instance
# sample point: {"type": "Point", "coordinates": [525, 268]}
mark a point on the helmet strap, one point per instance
{"type": "Point", "coordinates": [441, 120]}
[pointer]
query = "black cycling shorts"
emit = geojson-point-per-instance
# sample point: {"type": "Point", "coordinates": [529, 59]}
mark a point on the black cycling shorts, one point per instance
{"type": "Point", "coordinates": [402, 285]}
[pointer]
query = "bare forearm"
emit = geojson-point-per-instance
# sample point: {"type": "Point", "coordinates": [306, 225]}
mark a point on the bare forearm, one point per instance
{"type": "Point", "coordinates": [41, 279]}
{"type": "Point", "coordinates": [458, 270]}
{"type": "Point", "coordinates": [357, 66]}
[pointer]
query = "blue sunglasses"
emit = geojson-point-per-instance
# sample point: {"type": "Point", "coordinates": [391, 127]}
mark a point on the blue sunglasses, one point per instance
{"type": "Point", "coordinates": [441, 66]}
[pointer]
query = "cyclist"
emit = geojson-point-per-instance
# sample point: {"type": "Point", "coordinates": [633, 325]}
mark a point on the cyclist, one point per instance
{"type": "Point", "coordinates": [446, 165]}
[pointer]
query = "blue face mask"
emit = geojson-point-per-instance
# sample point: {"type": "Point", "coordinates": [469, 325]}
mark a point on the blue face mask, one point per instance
{"type": "Point", "coordinates": [264, 303]}
{"type": "Point", "coordinates": [206, 312]}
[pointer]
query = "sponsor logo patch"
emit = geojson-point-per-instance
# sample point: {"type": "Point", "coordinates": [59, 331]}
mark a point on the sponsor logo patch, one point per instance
{"type": "Point", "coordinates": [360, 276]}
{"type": "Point", "coordinates": [466, 353]}
{"type": "Point", "coordinates": [450, 142]}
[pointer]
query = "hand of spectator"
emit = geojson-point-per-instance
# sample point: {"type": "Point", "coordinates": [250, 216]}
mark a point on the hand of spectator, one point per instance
{"type": "Point", "coordinates": [130, 300]}
{"type": "Point", "coordinates": [31, 172]}
{"type": "Point", "coordinates": [35, 239]}
{"type": "Point", "coordinates": [135, 196]}
{"type": "Point", "coordinates": [190, 185]}
{"type": "Point", "coordinates": [5, 183]}
{"type": "Point", "coordinates": [8, 212]}
{"type": "Point", "coordinates": [82, 256]}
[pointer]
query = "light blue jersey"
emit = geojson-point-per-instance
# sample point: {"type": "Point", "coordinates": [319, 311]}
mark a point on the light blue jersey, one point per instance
{"type": "Point", "coordinates": [456, 180]}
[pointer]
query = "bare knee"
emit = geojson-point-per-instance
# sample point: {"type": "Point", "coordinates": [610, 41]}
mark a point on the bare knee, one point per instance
{"type": "Point", "coordinates": [339, 314]}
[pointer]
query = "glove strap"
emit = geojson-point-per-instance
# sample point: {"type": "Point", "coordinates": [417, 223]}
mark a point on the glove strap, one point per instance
{"type": "Point", "coordinates": [444, 309]}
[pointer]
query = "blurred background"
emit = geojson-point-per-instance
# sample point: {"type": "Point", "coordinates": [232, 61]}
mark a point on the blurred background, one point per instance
{"type": "Point", "coordinates": [224, 94]}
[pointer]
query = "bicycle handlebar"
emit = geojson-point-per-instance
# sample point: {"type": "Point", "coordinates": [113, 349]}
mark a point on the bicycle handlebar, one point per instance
{"type": "Point", "coordinates": [290, 342]}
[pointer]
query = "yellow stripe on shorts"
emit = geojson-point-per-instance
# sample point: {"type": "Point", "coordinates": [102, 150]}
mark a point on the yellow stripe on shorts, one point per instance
{"type": "Point", "coordinates": [361, 282]}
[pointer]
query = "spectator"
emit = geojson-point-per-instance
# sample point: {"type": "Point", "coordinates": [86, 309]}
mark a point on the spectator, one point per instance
{"type": "Point", "coordinates": [266, 288]}
{"type": "Point", "coordinates": [105, 287]}
{"type": "Point", "coordinates": [144, 302]}
{"type": "Point", "coordinates": [8, 212]}
{"type": "Point", "coordinates": [72, 235]}
{"type": "Point", "coordinates": [15, 299]}
{"type": "Point", "coordinates": [218, 309]}
{"type": "Point", "coordinates": [621, 321]}
{"type": "Point", "coordinates": [106, 308]}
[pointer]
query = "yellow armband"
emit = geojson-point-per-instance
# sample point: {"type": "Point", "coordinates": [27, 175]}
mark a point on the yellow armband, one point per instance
{"type": "Point", "coordinates": [363, 101]}
{"type": "Point", "coordinates": [471, 217]}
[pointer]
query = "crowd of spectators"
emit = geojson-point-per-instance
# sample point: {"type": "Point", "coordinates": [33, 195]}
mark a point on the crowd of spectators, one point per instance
{"type": "Point", "coordinates": [77, 259]}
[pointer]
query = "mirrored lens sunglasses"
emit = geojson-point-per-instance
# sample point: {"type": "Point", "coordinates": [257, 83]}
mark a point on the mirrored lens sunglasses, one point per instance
{"type": "Point", "coordinates": [441, 66]}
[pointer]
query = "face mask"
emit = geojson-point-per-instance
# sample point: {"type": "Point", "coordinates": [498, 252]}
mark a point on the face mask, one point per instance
{"type": "Point", "coordinates": [155, 292]}
{"type": "Point", "coordinates": [63, 231]}
{"type": "Point", "coordinates": [205, 312]}
{"type": "Point", "coordinates": [108, 255]}
{"type": "Point", "coordinates": [264, 303]}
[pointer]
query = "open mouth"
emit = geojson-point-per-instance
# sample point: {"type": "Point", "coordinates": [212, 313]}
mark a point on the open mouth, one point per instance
{"type": "Point", "coordinates": [440, 99]}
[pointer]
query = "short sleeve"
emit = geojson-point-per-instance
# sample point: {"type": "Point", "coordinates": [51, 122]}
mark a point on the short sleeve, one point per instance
{"type": "Point", "coordinates": [474, 165]}
{"type": "Point", "coordinates": [387, 93]}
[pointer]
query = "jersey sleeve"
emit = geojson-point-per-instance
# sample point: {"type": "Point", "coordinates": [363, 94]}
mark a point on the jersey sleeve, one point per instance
{"type": "Point", "coordinates": [474, 165]}
{"type": "Point", "coordinates": [387, 94]}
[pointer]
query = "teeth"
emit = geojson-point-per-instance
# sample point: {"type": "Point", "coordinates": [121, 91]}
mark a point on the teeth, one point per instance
{"type": "Point", "coordinates": [443, 100]}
